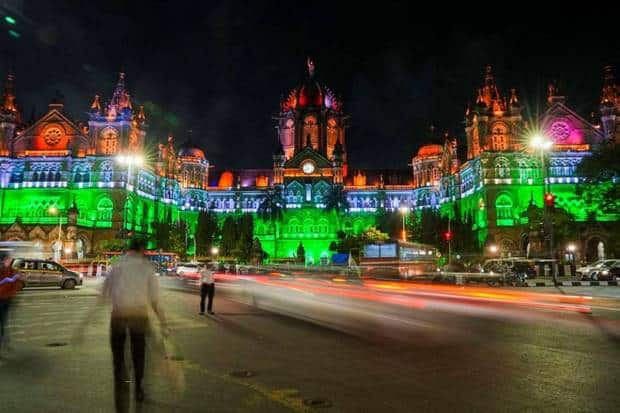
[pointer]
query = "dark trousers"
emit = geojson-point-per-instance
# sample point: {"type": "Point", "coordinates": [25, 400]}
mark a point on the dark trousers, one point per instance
{"type": "Point", "coordinates": [4, 317]}
{"type": "Point", "coordinates": [206, 289]}
{"type": "Point", "coordinates": [136, 326]}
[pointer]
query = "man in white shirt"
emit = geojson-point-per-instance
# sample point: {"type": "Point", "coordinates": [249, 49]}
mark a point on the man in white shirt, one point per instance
{"type": "Point", "coordinates": [132, 288]}
{"type": "Point", "coordinates": [207, 287]}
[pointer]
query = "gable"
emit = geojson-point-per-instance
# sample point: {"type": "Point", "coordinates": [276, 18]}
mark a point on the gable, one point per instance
{"type": "Point", "coordinates": [53, 132]}
{"type": "Point", "coordinates": [308, 153]}
{"type": "Point", "coordinates": [565, 127]}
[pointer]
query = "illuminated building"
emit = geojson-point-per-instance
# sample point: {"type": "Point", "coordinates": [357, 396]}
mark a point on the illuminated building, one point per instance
{"type": "Point", "coordinates": [63, 185]}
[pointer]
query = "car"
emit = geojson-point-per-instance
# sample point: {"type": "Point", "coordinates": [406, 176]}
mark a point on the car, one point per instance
{"type": "Point", "coordinates": [45, 273]}
{"type": "Point", "coordinates": [594, 270]}
{"type": "Point", "coordinates": [185, 268]}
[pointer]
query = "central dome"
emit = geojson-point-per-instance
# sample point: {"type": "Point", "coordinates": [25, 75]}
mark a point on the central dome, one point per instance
{"type": "Point", "coordinates": [191, 152]}
{"type": "Point", "coordinates": [310, 94]}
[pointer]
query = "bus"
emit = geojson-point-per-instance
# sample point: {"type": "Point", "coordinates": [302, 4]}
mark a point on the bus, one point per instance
{"type": "Point", "coordinates": [166, 262]}
{"type": "Point", "coordinates": [399, 259]}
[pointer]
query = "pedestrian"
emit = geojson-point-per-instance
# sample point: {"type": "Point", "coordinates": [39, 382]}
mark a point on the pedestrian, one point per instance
{"type": "Point", "coordinates": [132, 287]}
{"type": "Point", "coordinates": [207, 287]}
{"type": "Point", "coordinates": [10, 284]}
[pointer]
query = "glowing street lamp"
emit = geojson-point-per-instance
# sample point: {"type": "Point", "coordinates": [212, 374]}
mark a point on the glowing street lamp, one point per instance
{"type": "Point", "coordinates": [215, 251]}
{"type": "Point", "coordinates": [404, 210]}
{"type": "Point", "coordinates": [571, 247]}
{"type": "Point", "coordinates": [493, 249]}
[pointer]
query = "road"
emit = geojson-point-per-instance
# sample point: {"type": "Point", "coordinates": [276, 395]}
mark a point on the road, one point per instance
{"type": "Point", "coordinates": [329, 345]}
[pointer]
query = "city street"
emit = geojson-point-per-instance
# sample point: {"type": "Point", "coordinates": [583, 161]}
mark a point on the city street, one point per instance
{"type": "Point", "coordinates": [327, 345]}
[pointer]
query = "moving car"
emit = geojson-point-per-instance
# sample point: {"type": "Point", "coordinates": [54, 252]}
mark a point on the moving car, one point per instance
{"type": "Point", "coordinates": [596, 269]}
{"type": "Point", "coordinates": [45, 273]}
{"type": "Point", "coordinates": [184, 268]}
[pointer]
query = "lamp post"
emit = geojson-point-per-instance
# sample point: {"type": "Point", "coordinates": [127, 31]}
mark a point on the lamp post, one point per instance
{"type": "Point", "coordinates": [543, 144]}
{"type": "Point", "coordinates": [55, 211]}
{"type": "Point", "coordinates": [404, 210]}
{"type": "Point", "coordinates": [129, 161]}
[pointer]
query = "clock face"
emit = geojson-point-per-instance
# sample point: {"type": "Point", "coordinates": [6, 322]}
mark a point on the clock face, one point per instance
{"type": "Point", "coordinates": [52, 135]}
{"type": "Point", "coordinates": [308, 167]}
{"type": "Point", "coordinates": [560, 131]}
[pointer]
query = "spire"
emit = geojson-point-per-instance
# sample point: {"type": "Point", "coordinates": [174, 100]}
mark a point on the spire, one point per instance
{"type": "Point", "coordinates": [310, 65]}
{"type": "Point", "coordinates": [96, 105]}
{"type": "Point", "coordinates": [514, 100]}
{"type": "Point", "coordinates": [141, 115]}
{"type": "Point", "coordinates": [8, 104]}
{"type": "Point", "coordinates": [553, 94]}
{"type": "Point", "coordinates": [119, 98]}
{"type": "Point", "coordinates": [610, 89]}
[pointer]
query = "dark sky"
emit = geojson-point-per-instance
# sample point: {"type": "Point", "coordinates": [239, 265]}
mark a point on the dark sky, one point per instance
{"type": "Point", "coordinates": [220, 67]}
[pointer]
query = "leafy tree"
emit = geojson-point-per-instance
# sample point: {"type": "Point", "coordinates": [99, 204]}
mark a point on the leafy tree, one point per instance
{"type": "Point", "coordinates": [206, 232]}
{"type": "Point", "coordinates": [245, 237]}
{"type": "Point", "coordinates": [373, 235]}
{"type": "Point", "coordinates": [301, 253]}
{"type": "Point", "coordinates": [258, 254]}
{"type": "Point", "coordinates": [601, 185]}
{"type": "Point", "coordinates": [272, 209]}
{"type": "Point", "coordinates": [336, 199]}
{"type": "Point", "coordinates": [229, 236]}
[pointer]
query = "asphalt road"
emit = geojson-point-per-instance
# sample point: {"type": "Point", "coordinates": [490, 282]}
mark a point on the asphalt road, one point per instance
{"type": "Point", "coordinates": [326, 346]}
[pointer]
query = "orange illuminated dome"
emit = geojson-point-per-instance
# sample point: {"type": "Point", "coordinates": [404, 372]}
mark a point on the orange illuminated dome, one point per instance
{"type": "Point", "coordinates": [191, 152]}
{"type": "Point", "coordinates": [226, 180]}
{"type": "Point", "coordinates": [430, 150]}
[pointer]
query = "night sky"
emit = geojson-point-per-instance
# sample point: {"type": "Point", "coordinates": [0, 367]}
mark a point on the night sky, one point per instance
{"type": "Point", "coordinates": [220, 68]}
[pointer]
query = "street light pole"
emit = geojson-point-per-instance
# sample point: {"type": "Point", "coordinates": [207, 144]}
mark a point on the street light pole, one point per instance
{"type": "Point", "coordinates": [404, 210]}
{"type": "Point", "coordinates": [542, 144]}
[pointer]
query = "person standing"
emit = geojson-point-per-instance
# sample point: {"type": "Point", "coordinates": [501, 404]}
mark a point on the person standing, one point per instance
{"type": "Point", "coordinates": [132, 287]}
{"type": "Point", "coordinates": [207, 288]}
{"type": "Point", "coordinates": [10, 284]}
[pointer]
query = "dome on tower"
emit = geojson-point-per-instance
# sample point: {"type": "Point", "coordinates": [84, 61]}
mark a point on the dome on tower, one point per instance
{"type": "Point", "coordinates": [191, 152]}
{"type": "Point", "coordinates": [430, 150]}
{"type": "Point", "coordinates": [310, 94]}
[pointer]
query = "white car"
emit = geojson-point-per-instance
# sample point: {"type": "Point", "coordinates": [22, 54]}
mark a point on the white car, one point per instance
{"type": "Point", "coordinates": [185, 268]}
{"type": "Point", "coordinates": [593, 270]}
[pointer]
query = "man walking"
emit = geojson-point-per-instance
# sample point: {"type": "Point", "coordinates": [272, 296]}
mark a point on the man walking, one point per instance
{"type": "Point", "coordinates": [207, 287]}
{"type": "Point", "coordinates": [132, 287]}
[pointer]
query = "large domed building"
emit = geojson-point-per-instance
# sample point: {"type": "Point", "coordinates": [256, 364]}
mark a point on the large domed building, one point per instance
{"type": "Point", "coordinates": [82, 184]}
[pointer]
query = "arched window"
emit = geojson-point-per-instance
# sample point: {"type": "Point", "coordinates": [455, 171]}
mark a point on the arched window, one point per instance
{"type": "Point", "coordinates": [503, 210]}
{"type": "Point", "coordinates": [502, 168]}
{"type": "Point", "coordinates": [106, 171]}
{"type": "Point", "coordinates": [104, 209]}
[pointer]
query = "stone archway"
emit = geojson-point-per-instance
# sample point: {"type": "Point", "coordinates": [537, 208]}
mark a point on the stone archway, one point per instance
{"type": "Point", "coordinates": [593, 248]}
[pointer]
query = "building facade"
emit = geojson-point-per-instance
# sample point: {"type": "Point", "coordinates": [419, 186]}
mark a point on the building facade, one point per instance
{"type": "Point", "coordinates": [72, 187]}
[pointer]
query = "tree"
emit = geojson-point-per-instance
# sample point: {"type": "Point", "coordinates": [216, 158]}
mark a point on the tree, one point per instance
{"type": "Point", "coordinates": [258, 254]}
{"type": "Point", "coordinates": [336, 199]}
{"type": "Point", "coordinates": [177, 238]}
{"type": "Point", "coordinates": [373, 235]}
{"type": "Point", "coordinates": [272, 209]}
{"type": "Point", "coordinates": [601, 172]}
{"type": "Point", "coordinates": [206, 232]}
{"type": "Point", "coordinates": [229, 236]}
{"type": "Point", "coordinates": [245, 237]}
{"type": "Point", "coordinates": [301, 253]}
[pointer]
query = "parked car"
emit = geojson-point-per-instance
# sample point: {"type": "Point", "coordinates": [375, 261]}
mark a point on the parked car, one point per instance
{"type": "Point", "coordinates": [594, 270]}
{"type": "Point", "coordinates": [45, 273]}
